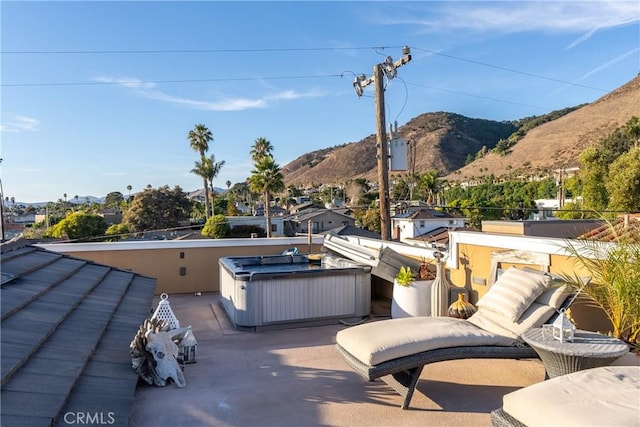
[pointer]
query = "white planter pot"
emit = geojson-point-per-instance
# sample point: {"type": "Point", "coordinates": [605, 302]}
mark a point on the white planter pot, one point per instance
{"type": "Point", "coordinates": [413, 300]}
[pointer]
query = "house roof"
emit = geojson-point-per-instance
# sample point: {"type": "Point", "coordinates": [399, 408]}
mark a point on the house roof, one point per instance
{"type": "Point", "coordinates": [623, 229]}
{"type": "Point", "coordinates": [425, 214]}
{"type": "Point", "coordinates": [438, 236]}
{"type": "Point", "coordinates": [308, 214]}
{"type": "Point", "coordinates": [350, 230]}
{"type": "Point", "coordinates": [66, 328]}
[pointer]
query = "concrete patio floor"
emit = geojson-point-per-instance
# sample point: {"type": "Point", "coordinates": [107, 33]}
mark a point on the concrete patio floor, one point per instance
{"type": "Point", "coordinates": [294, 377]}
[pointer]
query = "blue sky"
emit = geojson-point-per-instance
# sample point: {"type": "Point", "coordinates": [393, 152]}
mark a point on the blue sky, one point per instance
{"type": "Point", "coordinates": [100, 95]}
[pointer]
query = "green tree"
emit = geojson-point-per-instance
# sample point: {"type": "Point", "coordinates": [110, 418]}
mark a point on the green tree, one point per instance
{"type": "Point", "coordinates": [370, 220]}
{"type": "Point", "coordinates": [594, 169]}
{"type": "Point", "coordinates": [232, 210]}
{"type": "Point", "coordinates": [216, 227]}
{"type": "Point", "coordinates": [78, 225]}
{"type": "Point", "coordinates": [428, 186]}
{"type": "Point", "coordinates": [595, 163]}
{"type": "Point", "coordinates": [117, 231]}
{"type": "Point", "coordinates": [266, 178]}
{"type": "Point", "coordinates": [261, 148]}
{"type": "Point", "coordinates": [113, 199]}
{"type": "Point", "coordinates": [246, 230]}
{"type": "Point", "coordinates": [199, 138]}
{"type": "Point", "coordinates": [572, 210]}
{"type": "Point", "coordinates": [157, 209]}
{"type": "Point", "coordinates": [213, 170]}
{"type": "Point", "coordinates": [400, 190]}
{"type": "Point", "coordinates": [208, 169]}
{"type": "Point", "coordinates": [623, 182]}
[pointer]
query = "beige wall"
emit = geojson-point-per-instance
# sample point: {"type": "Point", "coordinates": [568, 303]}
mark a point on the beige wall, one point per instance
{"type": "Point", "coordinates": [164, 260]}
{"type": "Point", "coordinates": [474, 266]}
{"type": "Point", "coordinates": [468, 265]}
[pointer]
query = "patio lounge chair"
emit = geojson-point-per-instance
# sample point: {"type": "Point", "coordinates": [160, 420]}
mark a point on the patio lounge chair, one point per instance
{"type": "Point", "coordinates": [593, 397]}
{"type": "Point", "coordinates": [396, 350]}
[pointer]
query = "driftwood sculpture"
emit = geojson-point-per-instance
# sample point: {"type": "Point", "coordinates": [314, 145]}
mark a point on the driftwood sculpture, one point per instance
{"type": "Point", "coordinates": [154, 353]}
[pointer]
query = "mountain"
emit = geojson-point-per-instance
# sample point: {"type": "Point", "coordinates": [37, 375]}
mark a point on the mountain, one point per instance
{"type": "Point", "coordinates": [558, 143]}
{"type": "Point", "coordinates": [443, 141]}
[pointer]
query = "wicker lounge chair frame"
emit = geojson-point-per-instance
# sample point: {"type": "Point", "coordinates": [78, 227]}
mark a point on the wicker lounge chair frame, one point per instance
{"type": "Point", "coordinates": [499, 418]}
{"type": "Point", "coordinates": [403, 373]}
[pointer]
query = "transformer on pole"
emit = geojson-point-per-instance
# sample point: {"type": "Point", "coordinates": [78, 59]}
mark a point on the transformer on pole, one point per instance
{"type": "Point", "coordinates": [389, 70]}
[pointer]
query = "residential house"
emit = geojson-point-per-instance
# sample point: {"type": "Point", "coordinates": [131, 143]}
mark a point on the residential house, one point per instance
{"type": "Point", "coordinates": [318, 220]}
{"type": "Point", "coordinates": [413, 224]}
{"type": "Point", "coordinates": [277, 223]}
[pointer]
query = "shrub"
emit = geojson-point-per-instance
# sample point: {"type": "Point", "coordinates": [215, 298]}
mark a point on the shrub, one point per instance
{"type": "Point", "coordinates": [247, 231]}
{"type": "Point", "coordinates": [216, 227]}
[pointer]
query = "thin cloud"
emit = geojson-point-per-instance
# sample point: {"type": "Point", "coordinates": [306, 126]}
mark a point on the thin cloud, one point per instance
{"type": "Point", "coordinates": [145, 89]}
{"type": "Point", "coordinates": [228, 104]}
{"type": "Point", "coordinates": [127, 82]}
{"type": "Point", "coordinates": [17, 123]}
{"type": "Point", "coordinates": [609, 63]}
{"type": "Point", "coordinates": [291, 95]}
{"type": "Point", "coordinates": [516, 17]}
{"type": "Point", "coordinates": [600, 68]}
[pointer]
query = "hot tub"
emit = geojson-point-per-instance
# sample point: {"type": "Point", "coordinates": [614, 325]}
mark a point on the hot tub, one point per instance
{"type": "Point", "coordinates": [280, 291]}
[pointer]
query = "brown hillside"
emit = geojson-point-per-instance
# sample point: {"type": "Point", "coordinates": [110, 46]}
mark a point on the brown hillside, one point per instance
{"type": "Point", "coordinates": [442, 141]}
{"type": "Point", "coordinates": [558, 143]}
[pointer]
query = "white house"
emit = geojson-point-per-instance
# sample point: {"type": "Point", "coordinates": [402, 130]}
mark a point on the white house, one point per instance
{"type": "Point", "coordinates": [277, 223]}
{"type": "Point", "coordinates": [410, 225]}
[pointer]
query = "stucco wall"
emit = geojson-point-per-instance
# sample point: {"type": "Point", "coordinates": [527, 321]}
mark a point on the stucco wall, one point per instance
{"type": "Point", "coordinates": [472, 266]}
{"type": "Point", "coordinates": [167, 260]}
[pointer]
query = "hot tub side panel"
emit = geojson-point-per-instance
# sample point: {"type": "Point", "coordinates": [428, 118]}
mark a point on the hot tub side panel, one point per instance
{"type": "Point", "coordinates": [263, 300]}
{"type": "Point", "coordinates": [313, 298]}
{"type": "Point", "coordinates": [238, 299]}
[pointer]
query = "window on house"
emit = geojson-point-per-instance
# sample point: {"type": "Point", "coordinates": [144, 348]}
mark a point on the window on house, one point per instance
{"type": "Point", "coordinates": [274, 227]}
{"type": "Point", "coordinates": [421, 224]}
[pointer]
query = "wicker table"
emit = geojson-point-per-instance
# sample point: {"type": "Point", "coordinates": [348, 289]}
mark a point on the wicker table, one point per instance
{"type": "Point", "coordinates": [587, 350]}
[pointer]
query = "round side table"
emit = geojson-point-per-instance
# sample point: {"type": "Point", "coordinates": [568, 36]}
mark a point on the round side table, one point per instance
{"type": "Point", "coordinates": [587, 350]}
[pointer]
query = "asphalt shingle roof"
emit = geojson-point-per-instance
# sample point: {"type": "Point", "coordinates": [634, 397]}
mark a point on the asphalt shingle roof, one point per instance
{"type": "Point", "coordinates": [66, 328]}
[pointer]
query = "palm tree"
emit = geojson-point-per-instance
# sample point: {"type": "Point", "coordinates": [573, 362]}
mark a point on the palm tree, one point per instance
{"type": "Point", "coordinates": [201, 169]}
{"type": "Point", "coordinates": [228, 183]}
{"type": "Point", "coordinates": [429, 183]}
{"type": "Point", "coordinates": [267, 178]}
{"type": "Point", "coordinates": [129, 188]}
{"type": "Point", "coordinates": [212, 169]}
{"type": "Point", "coordinates": [261, 148]}
{"type": "Point", "coordinates": [199, 138]}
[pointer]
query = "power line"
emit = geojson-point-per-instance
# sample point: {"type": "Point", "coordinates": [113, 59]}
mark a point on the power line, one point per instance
{"type": "Point", "coordinates": [481, 97]}
{"type": "Point", "coordinates": [260, 50]}
{"type": "Point", "coordinates": [141, 82]}
{"type": "Point", "coordinates": [161, 51]}
{"type": "Point", "coordinates": [511, 70]}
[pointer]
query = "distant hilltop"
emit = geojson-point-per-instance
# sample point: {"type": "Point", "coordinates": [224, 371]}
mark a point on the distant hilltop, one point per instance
{"type": "Point", "coordinates": [450, 143]}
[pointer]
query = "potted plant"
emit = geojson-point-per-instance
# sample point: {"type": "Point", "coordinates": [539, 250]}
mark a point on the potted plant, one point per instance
{"type": "Point", "coordinates": [411, 293]}
{"type": "Point", "coordinates": [614, 269]}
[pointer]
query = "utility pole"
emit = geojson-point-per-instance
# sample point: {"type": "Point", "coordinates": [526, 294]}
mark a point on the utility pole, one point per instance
{"type": "Point", "coordinates": [386, 69]}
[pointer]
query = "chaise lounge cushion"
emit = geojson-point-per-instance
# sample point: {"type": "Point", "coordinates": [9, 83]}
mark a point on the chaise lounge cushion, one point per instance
{"type": "Point", "coordinates": [533, 317]}
{"type": "Point", "coordinates": [606, 396]}
{"type": "Point", "coordinates": [378, 342]}
{"type": "Point", "coordinates": [513, 292]}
